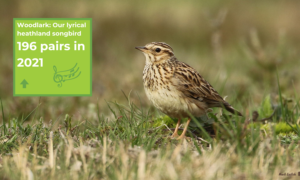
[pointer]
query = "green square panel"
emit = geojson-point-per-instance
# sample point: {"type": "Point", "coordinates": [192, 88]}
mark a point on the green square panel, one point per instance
{"type": "Point", "coordinates": [52, 57]}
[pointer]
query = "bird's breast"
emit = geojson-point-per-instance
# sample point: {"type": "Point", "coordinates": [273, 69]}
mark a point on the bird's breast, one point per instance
{"type": "Point", "coordinates": [161, 92]}
{"type": "Point", "coordinates": [169, 102]}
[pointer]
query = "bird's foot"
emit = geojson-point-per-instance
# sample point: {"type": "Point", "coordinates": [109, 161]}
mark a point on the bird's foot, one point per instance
{"type": "Point", "coordinates": [174, 135]}
{"type": "Point", "coordinates": [181, 137]}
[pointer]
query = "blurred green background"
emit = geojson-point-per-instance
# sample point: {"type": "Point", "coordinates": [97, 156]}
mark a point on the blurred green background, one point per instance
{"type": "Point", "coordinates": [238, 46]}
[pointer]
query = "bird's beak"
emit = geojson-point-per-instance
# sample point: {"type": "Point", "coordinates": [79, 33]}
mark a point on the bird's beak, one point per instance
{"type": "Point", "coordinates": [141, 48]}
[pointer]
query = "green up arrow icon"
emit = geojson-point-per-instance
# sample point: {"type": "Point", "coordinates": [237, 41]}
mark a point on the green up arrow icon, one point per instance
{"type": "Point", "coordinates": [24, 83]}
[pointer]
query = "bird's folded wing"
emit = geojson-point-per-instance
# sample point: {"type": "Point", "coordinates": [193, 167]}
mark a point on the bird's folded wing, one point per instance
{"type": "Point", "coordinates": [190, 83]}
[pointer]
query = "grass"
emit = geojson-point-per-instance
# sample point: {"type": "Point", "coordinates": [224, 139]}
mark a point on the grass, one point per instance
{"type": "Point", "coordinates": [135, 144]}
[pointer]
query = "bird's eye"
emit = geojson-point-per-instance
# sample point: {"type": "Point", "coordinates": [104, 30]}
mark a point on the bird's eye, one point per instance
{"type": "Point", "coordinates": [157, 49]}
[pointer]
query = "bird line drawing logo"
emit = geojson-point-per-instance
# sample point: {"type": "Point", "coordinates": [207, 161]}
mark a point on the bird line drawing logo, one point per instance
{"type": "Point", "coordinates": [62, 76]}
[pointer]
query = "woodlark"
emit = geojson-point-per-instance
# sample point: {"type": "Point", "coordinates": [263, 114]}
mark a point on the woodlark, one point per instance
{"type": "Point", "coordinates": [176, 88]}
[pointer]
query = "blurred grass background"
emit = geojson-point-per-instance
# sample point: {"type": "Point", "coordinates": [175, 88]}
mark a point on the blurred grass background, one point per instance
{"type": "Point", "coordinates": [236, 45]}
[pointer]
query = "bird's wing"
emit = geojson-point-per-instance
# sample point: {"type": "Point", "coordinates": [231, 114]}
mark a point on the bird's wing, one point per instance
{"type": "Point", "coordinates": [195, 88]}
{"type": "Point", "coordinates": [192, 85]}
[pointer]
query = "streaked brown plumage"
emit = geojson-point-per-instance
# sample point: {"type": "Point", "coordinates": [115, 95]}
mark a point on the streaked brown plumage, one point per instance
{"type": "Point", "coordinates": [175, 88]}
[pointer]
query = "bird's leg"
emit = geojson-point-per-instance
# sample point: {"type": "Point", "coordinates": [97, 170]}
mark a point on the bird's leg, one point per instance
{"type": "Point", "coordinates": [175, 134]}
{"type": "Point", "coordinates": [182, 136]}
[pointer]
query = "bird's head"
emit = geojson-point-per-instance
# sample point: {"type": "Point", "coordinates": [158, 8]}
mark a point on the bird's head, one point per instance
{"type": "Point", "coordinates": [156, 52]}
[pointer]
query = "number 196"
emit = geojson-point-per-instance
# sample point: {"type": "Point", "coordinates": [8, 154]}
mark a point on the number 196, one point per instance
{"type": "Point", "coordinates": [24, 46]}
{"type": "Point", "coordinates": [35, 62]}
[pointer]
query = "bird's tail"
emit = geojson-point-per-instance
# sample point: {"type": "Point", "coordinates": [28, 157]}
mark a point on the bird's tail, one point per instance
{"type": "Point", "coordinates": [232, 110]}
